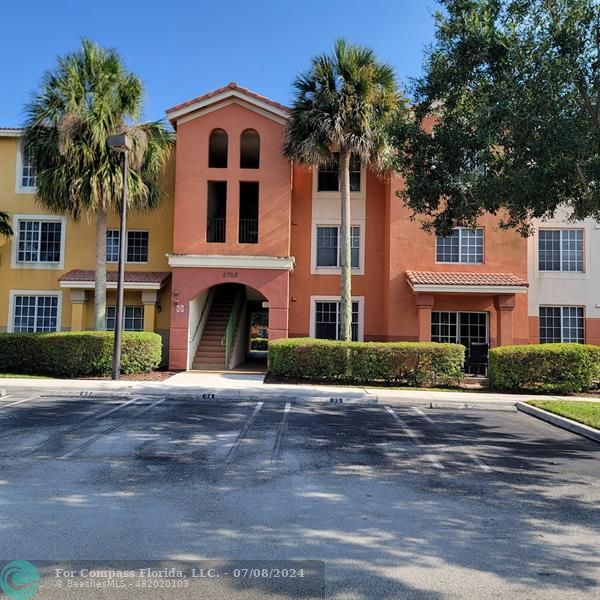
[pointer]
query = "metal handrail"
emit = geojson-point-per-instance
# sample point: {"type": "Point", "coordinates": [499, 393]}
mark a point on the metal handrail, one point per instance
{"type": "Point", "coordinates": [248, 231]}
{"type": "Point", "coordinates": [232, 323]}
{"type": "Point", "coordinates": [211, 293]}
{"type": "Point", "coordinates": [215, 230]}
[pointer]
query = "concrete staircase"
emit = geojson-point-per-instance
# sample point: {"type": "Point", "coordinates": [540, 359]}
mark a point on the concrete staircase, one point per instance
{"type": "Point", "coordinates": [211, 349]}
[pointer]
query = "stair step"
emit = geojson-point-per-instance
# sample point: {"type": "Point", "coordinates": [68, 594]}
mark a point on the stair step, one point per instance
{"type": "Point", "coordinates": [208, 367]}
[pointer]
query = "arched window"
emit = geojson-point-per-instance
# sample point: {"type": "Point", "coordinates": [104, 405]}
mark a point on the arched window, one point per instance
{"type": "Point", "coordinates": [217, 149]}
{"type": "Point", "coordinates": [250, 149]}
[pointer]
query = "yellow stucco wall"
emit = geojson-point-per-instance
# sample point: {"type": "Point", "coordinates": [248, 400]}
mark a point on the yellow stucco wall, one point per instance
{"type": "Point", "coordinates": [80, 246]}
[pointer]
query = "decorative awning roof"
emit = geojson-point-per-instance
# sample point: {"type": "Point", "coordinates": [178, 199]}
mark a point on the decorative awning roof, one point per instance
{"type": "Point", "coordinates": [470, 282]}
{"type": "Point", "coordinates": [134, 280]}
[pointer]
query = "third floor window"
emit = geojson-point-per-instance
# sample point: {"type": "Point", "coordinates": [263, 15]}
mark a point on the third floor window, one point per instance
{"type": "Point", "coordinates": [462, 246]}
{"type": "Point", "coordinates": [328, 177]}
{"type": "Point", "coordinates": [28, 172]}
{"type": "Point", "coordinates": [560, 250]}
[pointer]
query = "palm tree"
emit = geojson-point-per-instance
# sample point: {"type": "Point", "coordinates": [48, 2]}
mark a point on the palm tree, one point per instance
{"type": "Point", "coordinates": [5, 228]}
{"type": "Point", "coordinates": [343, 107]}
{"type": "Point", "coordinates": [88, 96]}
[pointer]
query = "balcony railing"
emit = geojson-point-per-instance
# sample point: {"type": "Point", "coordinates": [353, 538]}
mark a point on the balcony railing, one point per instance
{"type": "Point", "coordinates": [215, 230]}
{"type": "Point", "coordinates": [248, 232]}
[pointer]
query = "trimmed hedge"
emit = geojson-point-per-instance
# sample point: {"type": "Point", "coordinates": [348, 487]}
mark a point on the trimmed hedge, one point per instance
{"type": "Point", "coordinates": [560, 368]}
{"type": "Point", "coordinates": [409, 363]}
{"type": "Point", "coordinates": [258, 343]}
{"type": "Point", "coordinates": [77, 353]}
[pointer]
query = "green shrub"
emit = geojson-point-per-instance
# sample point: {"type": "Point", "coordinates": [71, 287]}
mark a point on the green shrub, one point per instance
{"type": "Point", "coordinates": [408, 363]}
{"type": "Point", "coordinates": [559, 368]}
{"type": "Point", "coordinates": [261, 344]}
{"type": "Point", "coordinates": [77, 353]}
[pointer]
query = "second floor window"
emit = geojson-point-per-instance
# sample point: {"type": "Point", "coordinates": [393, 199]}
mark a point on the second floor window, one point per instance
{"type": "Point", "coordinates": [560, 250]}
{"type": "Point", "coordinates": [28, 170]}
{"type": "Point", "coordinates": [328, 177]}
{"type": "Point", "coordinates": [462, 246]}
{"type": "Point", "coordinates": [328, 246]}
{"type": "Point", "coordinates": [39, 241]}
{"type": "Point", "coordinates": [137, 246]}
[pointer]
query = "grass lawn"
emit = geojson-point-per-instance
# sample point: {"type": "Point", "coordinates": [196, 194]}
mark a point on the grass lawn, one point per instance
{"type": "Point", "coordinates": [587, 413]}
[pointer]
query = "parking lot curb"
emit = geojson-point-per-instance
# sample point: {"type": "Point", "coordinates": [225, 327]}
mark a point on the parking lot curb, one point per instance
{"type": "Point", "coordinates": [558, 421]}
{"type": "Point", "coordinates": [497, 406]}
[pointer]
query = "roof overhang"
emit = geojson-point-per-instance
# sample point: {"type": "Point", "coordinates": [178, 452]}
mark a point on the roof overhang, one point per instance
{"type": "Point", "coordinates": [9, 132]}
{"type": "Point", "coordinates": [467, 289]}
{"type": "Point", "coordinates": [110, 285]}
{"type": "Point", "coordinates": [216, 261]}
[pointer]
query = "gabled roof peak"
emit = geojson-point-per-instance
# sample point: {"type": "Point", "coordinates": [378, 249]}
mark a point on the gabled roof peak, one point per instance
{"type": "Point", "coordinates": [232, 89]}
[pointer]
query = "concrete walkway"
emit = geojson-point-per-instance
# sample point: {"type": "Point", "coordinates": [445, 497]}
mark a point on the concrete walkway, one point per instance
{"type": "Point", "coordinates": [251, 386]}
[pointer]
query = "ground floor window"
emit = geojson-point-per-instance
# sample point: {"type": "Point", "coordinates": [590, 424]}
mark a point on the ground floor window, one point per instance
{"type": "Point", "coordinates": [327, 320]}
{"type": "Point", "coordinates": [459, 327]}
{"type": "Point", "coordinates": [35, 314]}
{"type": "Point", "coordinates": [133, 318]}
{"type": "Point", "coordinates": [561, 324]}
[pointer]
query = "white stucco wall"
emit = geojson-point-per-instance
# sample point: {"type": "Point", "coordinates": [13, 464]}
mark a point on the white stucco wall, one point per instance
{"type": "Point", "coordinates": [566, 288]}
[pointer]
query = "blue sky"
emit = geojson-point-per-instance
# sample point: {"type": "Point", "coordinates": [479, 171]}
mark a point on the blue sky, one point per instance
{"type": "Point", "coordinates": [182, 49]}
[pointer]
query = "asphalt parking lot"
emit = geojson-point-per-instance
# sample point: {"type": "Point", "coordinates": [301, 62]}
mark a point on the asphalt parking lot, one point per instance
{"type": "Point", "coordinates": [398, 501]}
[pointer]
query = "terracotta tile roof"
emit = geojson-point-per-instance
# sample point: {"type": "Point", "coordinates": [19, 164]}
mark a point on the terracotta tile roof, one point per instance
{"type": "Point", "coordinates": [467, 279]}
{"type": "Point", "coordinates": [159, 277]}
{"type": "Point", "coordinates": [229, 86]}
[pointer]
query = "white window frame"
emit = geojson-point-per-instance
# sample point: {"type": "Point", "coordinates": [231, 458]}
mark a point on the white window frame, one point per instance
{"type": "Point", "coordinates": [15, 264]}
{"type": "Point", "coordinates": [361, 312]}
{"type": "Point", "coordinates": [316, 270]}
{"type": "Point", "coordinates": [19, 189]}
{"type": "Point", "coordinates": [561, 271]}
{"type": "Point", "coordinates": [336, 195]}
{"type": "Point", "coordinates": [112, 262]}
{"type": "Point", "coordinates": [460, 261]}
{"type": "Point", "coordinates": [562, 311]}
{"type": "Point", "coordinates": [10, 325]}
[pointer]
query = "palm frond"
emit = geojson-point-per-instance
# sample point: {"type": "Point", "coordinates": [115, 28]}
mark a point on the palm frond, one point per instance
{"type": "Point", "coordinates": [5, 228]}
{"type": "Point", "coordinates": [345, 102]}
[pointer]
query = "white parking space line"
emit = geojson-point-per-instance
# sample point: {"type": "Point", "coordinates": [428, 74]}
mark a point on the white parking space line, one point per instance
{"type": "Point", "coordinates": [242, 434]}
{"type": "Point", "coordinates": [281, 433]}
{"type": "Point", "coordinates": [18, 401]}
{"type": "Point", "coordinates": [97, 436]}
{"type": "Point", "coordinates": [480, 463]}
{"type": "Point", "coordinates": [415, 437]}
{"type": "Point", "coordinates": [74, 427]}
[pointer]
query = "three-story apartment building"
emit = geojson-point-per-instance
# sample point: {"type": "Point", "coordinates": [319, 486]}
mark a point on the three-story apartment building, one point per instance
{"type": "Point", "coordinates": [243, 229]}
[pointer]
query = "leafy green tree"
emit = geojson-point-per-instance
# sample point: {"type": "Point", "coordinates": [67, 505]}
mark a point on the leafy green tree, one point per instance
{"type": "Point", "coordinates": [87, 97]}
{"type": "Point", "coordinates": [514, 88]}
{"type": "Point", "coordinates": [343, 107]}
{"type": "Point", "coordinates": [5, 228]}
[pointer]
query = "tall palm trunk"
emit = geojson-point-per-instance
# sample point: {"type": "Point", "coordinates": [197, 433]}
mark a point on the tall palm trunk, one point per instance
{"type": "Point", "coordinates": [346, 256]}
{"type": "Point", "coordinates": [100, 280]}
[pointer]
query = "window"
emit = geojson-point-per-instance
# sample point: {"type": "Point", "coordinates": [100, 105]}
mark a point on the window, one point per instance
{"type": "Point", "coordinates": [465, 328]}
{"type": "Point", "coordinates": [217, 149]}
{"type": "Point", "coordinates": [33, 314]}
{"type": "Point", "coordinates": [133, 318]}
{"type": "Point", "coordinates": [462, 246]}
{"type": "Point", "coordinates": [328, 177]}
{"type": "Point", "coordinates": [137, 246]}
{"type": "Point", "coordinates": [561, 324]}
{"type": "Point", "coordinates": [328, 246]}
{"type": "Point", "coordinates": [216, 207]}
{"type": "Point", "coordinates": [560, 250]}
{"type": "Point", "coordinates": [28, 171]}
{"type": "Point", "coordinates": [249, 149]}
{"type": "Point", "coordinates": [39, 241]}
{"type": "Point", "coordinates": [248, 225]}
{"type": "Point", "coordinates": [327, 320]}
